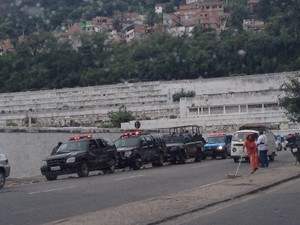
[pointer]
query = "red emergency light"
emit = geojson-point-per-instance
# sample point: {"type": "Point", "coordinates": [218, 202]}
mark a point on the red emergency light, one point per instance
{"type": "Point", "coordinates": [218, 134]}
{"type": "Point", "coordinates": [80, 137]}
{"type": "Point", "coordinates": [132, 133]}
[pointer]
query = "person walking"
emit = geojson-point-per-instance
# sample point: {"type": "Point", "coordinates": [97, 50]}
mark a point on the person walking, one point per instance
{"type": "Point", "coordinates": [251, 148]}
{"type": "Point", "coordinates": [262, 150]}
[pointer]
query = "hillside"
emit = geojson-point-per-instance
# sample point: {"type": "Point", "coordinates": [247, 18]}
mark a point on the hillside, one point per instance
{"type": "Point", "coordinates": [40, 59]}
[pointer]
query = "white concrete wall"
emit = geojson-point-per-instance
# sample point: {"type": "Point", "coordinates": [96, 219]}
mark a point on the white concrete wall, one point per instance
{"type": "Point", "coordinates": [153, 99]}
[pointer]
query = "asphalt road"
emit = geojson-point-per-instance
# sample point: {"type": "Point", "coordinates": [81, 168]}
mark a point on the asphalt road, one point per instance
{"type": "Point", "coordinates": [277, 206]}
{"type": "Point", "coordinates": [69, 196]}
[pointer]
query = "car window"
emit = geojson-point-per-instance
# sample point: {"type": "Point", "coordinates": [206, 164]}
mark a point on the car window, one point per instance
{"type": "Point", "coordinates": [215, 139]}
{"type": "Point", "coordinates": [71, 146]}
{"type": "Point", "coordinates": [93, 144]}
{"type": "Point", "coordinates": [128, 142]}
{"type": "Point", "coordinates": [188, 139]}
{"type": "Point", "coordinates": [101, 143]}
{"type": "Point", "coordinates": [108, 141]}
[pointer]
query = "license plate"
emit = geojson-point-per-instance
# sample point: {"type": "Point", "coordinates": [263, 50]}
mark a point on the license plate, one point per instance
{"type": "Point", "coordinates": [55, 168]}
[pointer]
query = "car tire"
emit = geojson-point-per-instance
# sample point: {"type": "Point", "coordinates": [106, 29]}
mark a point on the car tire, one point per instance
{"type": "Point", "coordinates": [160, 161]}
{"type": "Point", "coordinates": [50, 177]}
{"type": "Point", "coordinates": [236, 160]}
{"type": "Point", "coordinates": [181, 157]}
{"type": "Point", "coordinates": [137, 163]}
{"type": "Point", "coordinates": [225, 155]}
{"type": "Point", "coordinates": [2, 180]}
{"type": "Point", "coordinates": [84, 170]}
{"type": "Point", "coordinates": [173, 160]}
{"type": "Point", "coordinates": [112, 166]}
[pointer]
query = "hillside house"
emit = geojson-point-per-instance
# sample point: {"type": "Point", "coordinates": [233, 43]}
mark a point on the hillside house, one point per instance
{"type": "Point", "coordinates": [6, 46]}
{"type": "Point", "coordinates": [253, 25]}
{"type": "Point", "coordinates": [102, 22]}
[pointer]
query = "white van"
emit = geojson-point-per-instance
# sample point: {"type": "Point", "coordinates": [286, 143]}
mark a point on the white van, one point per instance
{"type": "Point", "coordinates": [239, 137]}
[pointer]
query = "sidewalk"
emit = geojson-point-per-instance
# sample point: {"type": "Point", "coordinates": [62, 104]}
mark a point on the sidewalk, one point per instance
{"type": "Point", "coordinates": [164, 209]}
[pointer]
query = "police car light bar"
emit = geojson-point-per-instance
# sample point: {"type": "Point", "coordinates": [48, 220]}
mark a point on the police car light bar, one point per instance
{"type": "Point", "coordinates": [217, 134]}
{"type": "Point", "coordinates": [81, 137]}
{"type": "Point", "coordinates": [133, 133]}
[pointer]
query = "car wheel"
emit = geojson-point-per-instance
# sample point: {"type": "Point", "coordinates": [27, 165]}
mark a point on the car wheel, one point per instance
{"type": "Point", "coordinates": [224, 155]}
{"type": "Point", "coordinates": [160, 161]}
{"type": "Point", "coordinates": [84, 170]}
{"type": "Point", "coordinates": [50, 177]}
{"type": "Point", "coordinates": [112, 166]}
{"type": "Point", "coordinates": [2, 180]}
{"type": "Point", "coordinates": [236, 160]}
{"type": "Point", "coordinates": [181, 157]}
{"type": "Point", "coordinates": [173, 160]}
{"type": "Point", "coordinates": [137, 163]}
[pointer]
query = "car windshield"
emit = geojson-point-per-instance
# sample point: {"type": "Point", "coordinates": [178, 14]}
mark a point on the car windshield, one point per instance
{"type": "Point", "coordinates": [72, 146]}
{"type": "Point", "coordinates": [128, 142]}
{"type": "Point", "coordinates": [173, 139]}
{"type": "Point", "coordinates": [241, 136]}
{"type": "Point", "coordinates": [215, 139]}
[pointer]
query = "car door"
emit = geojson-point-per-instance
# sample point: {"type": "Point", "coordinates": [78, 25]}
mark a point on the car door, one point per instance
{"type": "Point", "coordinates": [190, 145]}
{"type": "Point", "coordinates": [93, 154]}
{"type": "Point", "coordinates": [109, 148]}
{"type": "Point", "coordinates": [146, 148]}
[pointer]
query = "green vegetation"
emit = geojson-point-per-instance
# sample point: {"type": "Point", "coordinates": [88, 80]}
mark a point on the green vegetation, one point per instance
{"type": "Point", "coordinates": [122, 115]}
{"type": "Point", "coordinates": [182, 93]}
{"type": "Point", "coordinates": [10, 123]}
{"type": "Point", "coordinates": [44, 62]}
{"type": "Point", "coordinates": [291, 101]}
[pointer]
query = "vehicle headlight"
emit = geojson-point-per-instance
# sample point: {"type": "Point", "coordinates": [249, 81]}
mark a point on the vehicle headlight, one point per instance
{"type": "Point", "coordinates": [220, 147]}
{"type": "Point", "coordinates": [44, 163]}
{"type": "Point", "coordinates": [70, 160]}
{"type": "Point", "coordinates": [128, 153]}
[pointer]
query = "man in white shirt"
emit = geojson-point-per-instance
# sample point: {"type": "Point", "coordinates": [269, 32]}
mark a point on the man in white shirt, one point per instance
{"type": "Point", "coordinates": [262, 150]}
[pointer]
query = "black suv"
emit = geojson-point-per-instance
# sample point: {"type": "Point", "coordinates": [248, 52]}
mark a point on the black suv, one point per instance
{"type": "Point", "coordinates": [80, 155]}
{"type": "Point", "coordinates": [137, 148]}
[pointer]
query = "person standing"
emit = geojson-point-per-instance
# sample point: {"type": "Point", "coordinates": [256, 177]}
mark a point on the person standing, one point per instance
{"type": "Point", "coordinates": [262, 150]}
{"type": "Point", "coordinates": [251, 148]}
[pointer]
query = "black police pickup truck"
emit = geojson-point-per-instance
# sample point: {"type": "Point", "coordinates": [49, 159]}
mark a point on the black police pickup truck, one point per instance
{"type": "Point", "coordinates": [80, 155]}
{"type": "Point", "coordinates": [184, 142]}
{"type": "Point", "coordinates": [136, 148]}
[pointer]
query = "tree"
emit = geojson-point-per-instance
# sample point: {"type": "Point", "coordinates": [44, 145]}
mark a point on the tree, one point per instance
{"type": "Point", "coordinates": [291, 101]}
{"type": "Point", "coordinates": [120, 116]}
